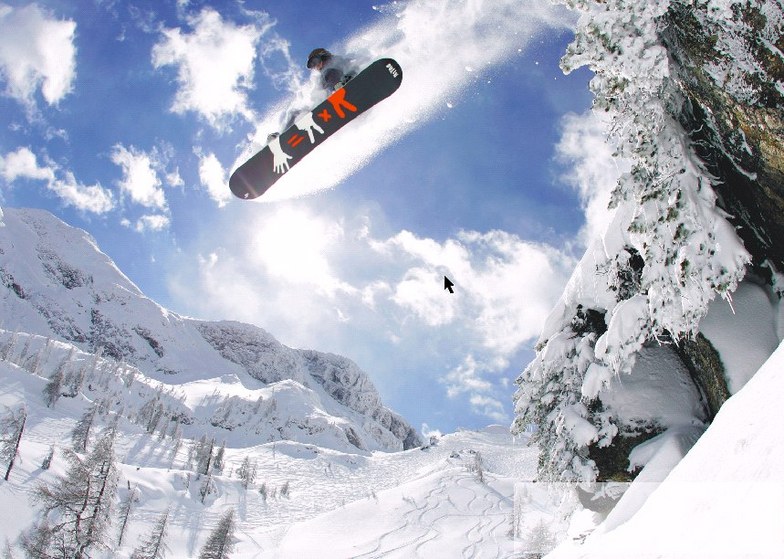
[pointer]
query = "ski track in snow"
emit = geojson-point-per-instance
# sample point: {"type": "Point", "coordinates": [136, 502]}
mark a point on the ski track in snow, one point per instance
{"type": "Point", "coordinates": [446, 508]}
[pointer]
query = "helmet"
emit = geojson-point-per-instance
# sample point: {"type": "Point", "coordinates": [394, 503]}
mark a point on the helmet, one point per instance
{"type": "Point", "coordinates": [318, 55]}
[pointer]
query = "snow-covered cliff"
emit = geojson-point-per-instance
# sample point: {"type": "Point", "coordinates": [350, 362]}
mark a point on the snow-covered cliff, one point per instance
{"type": "Point", "coordinates": [689, 226]}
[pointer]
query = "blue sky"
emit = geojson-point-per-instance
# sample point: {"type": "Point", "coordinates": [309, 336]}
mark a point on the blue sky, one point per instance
{"type": "Point", "coordinates": [125, 117]}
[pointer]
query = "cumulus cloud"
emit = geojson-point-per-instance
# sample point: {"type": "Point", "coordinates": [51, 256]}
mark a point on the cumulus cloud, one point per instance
{"type": "Point", "coordinates": [316, 280]}
{"type": "Point", "coordinates": [592, 169]}
{"type": "Point", "coordinates": [214, 65]}
{"type": "Point", "coordinates": [22, 164]}
{"type": "Point", "coordinates": [140, 179]}
{"type": "Point", "coordinates": [506, 284]}
{"type": "Point", "coordinates": [36, 52]}
{"type": "Point", "coordinates": [214, 178]}
{"type": "Point", "coordinates": [151, 222]}
{"type": "Point", "coordinates": [92, 198]}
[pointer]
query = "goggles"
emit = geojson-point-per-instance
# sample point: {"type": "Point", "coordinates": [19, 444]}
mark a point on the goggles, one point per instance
{"type": "Point", "coordinates": [313, 60]}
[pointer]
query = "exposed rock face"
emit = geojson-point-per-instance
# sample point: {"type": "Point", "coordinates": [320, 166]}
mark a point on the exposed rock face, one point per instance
{"type": "Point", "coordinates": [733, 83]}
{"type": "Point", "coordinates": [707, 372]}
{"type": "Point", "coordinates": [733, 79]}
{"type": "Point", "coordinates": [266, 359]}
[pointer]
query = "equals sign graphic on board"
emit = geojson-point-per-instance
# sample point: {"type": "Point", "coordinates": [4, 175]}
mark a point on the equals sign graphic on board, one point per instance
{"type": "Point", "coordinates": [295, 140]}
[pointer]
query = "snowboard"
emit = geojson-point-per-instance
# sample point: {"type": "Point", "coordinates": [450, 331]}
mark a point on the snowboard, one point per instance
{"type": "Point", "coordinates": [373, 84]}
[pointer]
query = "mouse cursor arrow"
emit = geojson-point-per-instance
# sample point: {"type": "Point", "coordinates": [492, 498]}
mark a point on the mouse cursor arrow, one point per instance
{"type": "Point", "coordinates": [448, 285]}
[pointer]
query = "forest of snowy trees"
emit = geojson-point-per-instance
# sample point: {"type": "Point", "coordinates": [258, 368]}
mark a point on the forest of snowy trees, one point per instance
{"type": "Point", "coordinates": [88, 507]}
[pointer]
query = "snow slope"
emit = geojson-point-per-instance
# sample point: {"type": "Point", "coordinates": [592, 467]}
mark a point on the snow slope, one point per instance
{"type": "Point", "coordinates": [315, 501]}
{"type": "Point", "coordinates": [725, 498]}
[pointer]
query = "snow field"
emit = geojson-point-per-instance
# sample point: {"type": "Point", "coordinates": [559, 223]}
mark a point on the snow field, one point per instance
{"type": "Point", "coordinates": [724, 499]}
{"type": "Point", "coordinates": [317, 501]}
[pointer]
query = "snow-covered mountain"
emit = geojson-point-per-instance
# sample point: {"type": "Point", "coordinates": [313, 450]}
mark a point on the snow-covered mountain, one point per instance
{"type": "Point", "coordinates": [455, 496]}
{"type": "Point", "coordinates": [56, 283]}
{"type": "Point", "coordinates": [188, 425]}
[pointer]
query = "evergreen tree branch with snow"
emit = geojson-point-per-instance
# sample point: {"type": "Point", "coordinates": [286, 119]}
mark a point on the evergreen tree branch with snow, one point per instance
{"type": "Point", "coordinates": [154, 546]}
{"type": "Point", "coordinates": [667, 234]}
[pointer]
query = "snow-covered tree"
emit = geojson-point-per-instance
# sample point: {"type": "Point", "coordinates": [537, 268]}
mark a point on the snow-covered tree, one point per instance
{"type": "Point", "coordinates": [221, 541]}
{"type": "Point", "coordinates": [247, 472]}
{"type": "Point", "coordinates": [41, 357]}
{"type": "Point", "coordinates": [539, 540]}
{"type": "Point", "coordinates": [667, 254]}
{"type": "Point", "coordinates": [81, 431]}
{"type": "Point", "coordinates": [217, 463]}
{"type": "Point", "coordinates": [76, 507]}
{"type": "Point", "coordinates": [47, 461]}
{"type": "Point", "coordinates": [264, 492]}
{"type": "Point", "coordinates": [203, 455]}
{"type": "Point", "coordinates": [74, 380]}
{"type": "Point", "coordinates": [154, 545]}
{"type": "Point", "coordinates": [124, 511]}
{"type": "Point", "coordinates": [53, 389]}
{"type": "Point", "coordinates": [8, 552]}
{"type": "Point", "coordinates": [150, 414]}
{"type": "Point", "coordinates": [11, 429]}
{"type": "Point", "coordinates": [8, 347]}
{"type": "Point", "coordinates": [207, 486]}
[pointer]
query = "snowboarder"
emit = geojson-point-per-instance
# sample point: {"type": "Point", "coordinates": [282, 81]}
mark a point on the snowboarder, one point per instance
{"type": "Point", "coordinates": [373, 84]}
{"type": "Point", "coordinates": [335, 73]}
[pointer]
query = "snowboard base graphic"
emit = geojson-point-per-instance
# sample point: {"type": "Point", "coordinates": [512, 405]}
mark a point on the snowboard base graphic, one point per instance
{"type": "Point", "coordinates": [373, 84]}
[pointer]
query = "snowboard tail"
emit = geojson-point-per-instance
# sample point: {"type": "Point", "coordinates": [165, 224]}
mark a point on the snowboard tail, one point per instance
{"type": "Point", "coordinates": [373, 84]}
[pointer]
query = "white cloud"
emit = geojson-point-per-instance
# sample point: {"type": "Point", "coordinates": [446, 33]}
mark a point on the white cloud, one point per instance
{"type": "Point", "coordinates": [293, 247]}
{"type": "Point", "coordinates": [593, 171]}
{"type": "Point", "coordinates": [36, 51]}
{"type": "Point", "coordinates": [326, 282]}
{"type": "Point", "coordinates": [214, 178]}
{"type": "Point", "coordinates": [214, 66]}
{"type": "Point", "coordinates": [151, 222]}
{"type": "Point", "coordinates": [23, 164]}
{"type": "Point", "coordinates": [94, 198]}
{"type": "Point", "coordinates": [491, 408]}
{"type": "Point", "coordinates": [279, 66]}
{"type": "Point", "coordinates": [466, 378]}
{"type": "Point", "coordinates": [419, 291]}
{"type": "Point", "coordinates": [506, 285]}
{"type": "Point", "coordinates": [174, 178]}
{"type": "Point", "coordinates": [140, 176]}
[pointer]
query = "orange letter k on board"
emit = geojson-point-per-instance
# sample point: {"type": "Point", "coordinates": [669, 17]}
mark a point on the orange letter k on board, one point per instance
{"type": "Point", "coordinates": [338, 102]}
